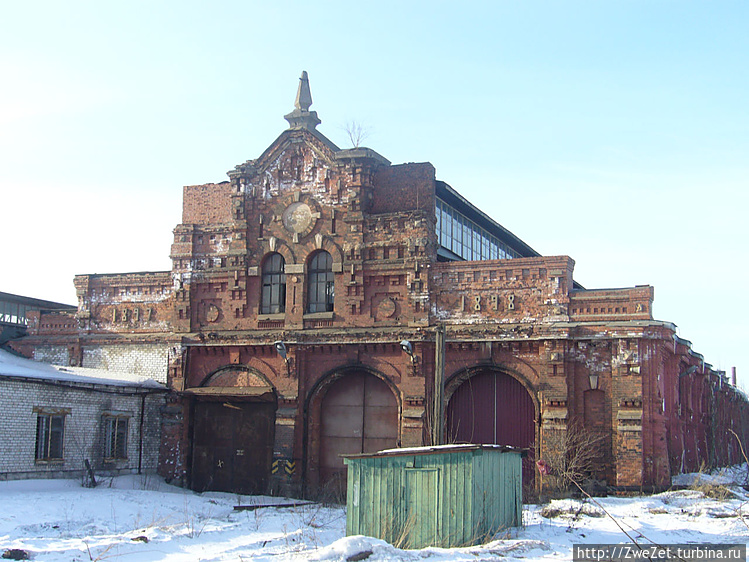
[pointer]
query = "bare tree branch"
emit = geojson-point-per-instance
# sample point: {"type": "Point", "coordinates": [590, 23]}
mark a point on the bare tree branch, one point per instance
{"type": "Point", "coordinates": [356, 132]}
{"type": "Point", "coordinates": [573, 455]}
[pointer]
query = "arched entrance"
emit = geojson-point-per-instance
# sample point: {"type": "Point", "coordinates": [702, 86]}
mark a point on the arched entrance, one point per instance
{"type": "Point", "coordinates": [234, 413]}
{"type": "Point", "coordinates": [492, 407]}
{"type": "Point", "coordinates": [358, 414]}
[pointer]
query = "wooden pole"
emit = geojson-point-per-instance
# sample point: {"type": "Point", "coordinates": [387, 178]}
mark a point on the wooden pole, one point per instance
{"type": "Point", "coordinates": [439, 387]}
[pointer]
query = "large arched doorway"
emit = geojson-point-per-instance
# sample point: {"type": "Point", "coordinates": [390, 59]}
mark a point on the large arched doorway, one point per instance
{"type": "Point", "coordinates": [490, 407]}
{"type": "Point", "coordinates": [358, 414]}
{"type": "Point", "coordinates": [233, 429]}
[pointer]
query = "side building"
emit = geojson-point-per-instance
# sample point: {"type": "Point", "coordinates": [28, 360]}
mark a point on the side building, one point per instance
{"type": "Point", "coordinates": [70, 422]}
{"type": "Point", "coordinates": [15, 311]}
{"type": "Point", "coordinates": [324, 301]}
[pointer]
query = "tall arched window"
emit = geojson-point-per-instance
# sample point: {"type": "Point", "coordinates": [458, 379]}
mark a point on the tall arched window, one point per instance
{"type": "Point", "coordinates": [273, 297]}
{"type": "Point", "coordinates": [320, 283]}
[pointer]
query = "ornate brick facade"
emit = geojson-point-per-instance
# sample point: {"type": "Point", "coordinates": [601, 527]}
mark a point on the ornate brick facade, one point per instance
{"type": "Point", "coordinates": [305, 352]}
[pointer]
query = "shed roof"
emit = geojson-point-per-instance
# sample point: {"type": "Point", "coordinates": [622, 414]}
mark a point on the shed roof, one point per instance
{"type": "Point", "coordinates": [435, 449]}
{"type": "Point", "coordinates": [35, 303]}
{"type": "Point", "coordinates": [14, 366]}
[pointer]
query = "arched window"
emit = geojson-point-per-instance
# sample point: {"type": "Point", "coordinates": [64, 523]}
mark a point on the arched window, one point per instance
{"type": "Point", "coordinates": [273, 297]}
{"type": "Point", "coordinates": [320, 283]}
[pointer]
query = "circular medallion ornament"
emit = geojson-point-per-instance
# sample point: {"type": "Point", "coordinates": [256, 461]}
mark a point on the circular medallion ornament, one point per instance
{"type": "Point", "coordinates": [386, 308]}
{"type": "Point", "coordinates": [213, 313]}
{"type": "Point", "coordinates": [297, 217]}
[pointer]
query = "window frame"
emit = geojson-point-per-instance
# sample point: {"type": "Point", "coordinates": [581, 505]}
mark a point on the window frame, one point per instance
{"type": "Point", "coordinates": [273, 285]}
{"type": "Point", "coordinates": [116, 437]}
{"type": "Point", "coordinates": [49, 445]}
{"type": "Point", "coordinates": [466, 239]}
{"type": "Point", "coordinates": [320, 284]}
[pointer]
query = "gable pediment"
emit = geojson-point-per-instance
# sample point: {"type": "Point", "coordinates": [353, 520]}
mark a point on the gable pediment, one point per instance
{"type": "Point", "coordinates": [297, 158]}
{"type": "Point", "coordinates": [289, 144]}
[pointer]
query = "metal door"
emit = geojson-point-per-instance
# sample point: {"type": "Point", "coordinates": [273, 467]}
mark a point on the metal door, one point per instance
{"type": "Point", "coordinates": [359, 414]}
{"type": "Point", "coordinates": [492, 407]}
{"type": "Point", "coordinates": [233, 446]}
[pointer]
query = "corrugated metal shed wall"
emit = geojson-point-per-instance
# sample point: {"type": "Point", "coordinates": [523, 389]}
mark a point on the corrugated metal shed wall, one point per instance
{"type": "Point", "coordinates": [497, 492]}
{"type": "Point", "coordinates": [443, 498]}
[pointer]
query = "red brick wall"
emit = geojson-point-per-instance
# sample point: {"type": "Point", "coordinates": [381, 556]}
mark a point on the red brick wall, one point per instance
{"type": "Point", "coordinates": [612, 304]}
{"type": "Point", "coordinates": [207, 204]}
{"type": "Point", "coordinates": [44, 323]}
{"type": "Point", "coordinates": [125, 303]}
{"type": "Point", "coordinates": [404, 187]}
{"type": "Point", "coordinates": [518, 290]}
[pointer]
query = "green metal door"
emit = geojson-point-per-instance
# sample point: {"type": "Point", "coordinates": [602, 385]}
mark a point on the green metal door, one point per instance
{"type": "Point", "coordinates": [422, 526]}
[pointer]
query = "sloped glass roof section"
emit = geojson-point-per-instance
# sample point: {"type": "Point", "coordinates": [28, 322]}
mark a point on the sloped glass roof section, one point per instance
{"type": "Point", "coordinates": [467, 233]}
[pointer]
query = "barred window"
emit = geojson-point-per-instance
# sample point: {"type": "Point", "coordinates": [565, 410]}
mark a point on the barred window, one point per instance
{"type": "Point", "coordinates": [273, 297]}
{"type": "Point", "coordinates": [115, 435]}
{"type": "Point", "coordinates": [50, 433]}
{"type": "Point", "coordinates": [320, 283]}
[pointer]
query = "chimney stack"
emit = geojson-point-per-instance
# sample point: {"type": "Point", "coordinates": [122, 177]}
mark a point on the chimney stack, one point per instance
{"type": "Point", "coordinates": [733, 376]}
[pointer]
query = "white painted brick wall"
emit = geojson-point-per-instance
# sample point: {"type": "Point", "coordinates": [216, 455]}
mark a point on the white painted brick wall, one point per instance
{"type": "Point", "coordinates": [148, 360]}
{"type": "Point", "coordinates": [83, 436]}
{"type": "Point", "coordinates": [54, 354]}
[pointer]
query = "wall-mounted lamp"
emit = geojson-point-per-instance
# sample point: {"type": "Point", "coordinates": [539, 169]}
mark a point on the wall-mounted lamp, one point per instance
{"type": "Point", "coordinates": [593, 380]}
{"type": "Point", "coordinates": [408, 349]}
{"type": "Point", "coordinates": [282, 351]}
{"type": "Point", "coordinates": [689, 371]}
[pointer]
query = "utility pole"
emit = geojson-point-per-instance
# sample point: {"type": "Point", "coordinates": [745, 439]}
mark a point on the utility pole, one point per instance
{"type": "Point", "coordinates": [439, 386]}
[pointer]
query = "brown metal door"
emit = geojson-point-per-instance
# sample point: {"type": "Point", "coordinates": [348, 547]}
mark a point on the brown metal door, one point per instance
{"type": "Point", "coordinates": [359, 415]}
{"type": "Point", "coordinates": [233, 446]}
{"type": "Point", "coordinates": [493, 408]}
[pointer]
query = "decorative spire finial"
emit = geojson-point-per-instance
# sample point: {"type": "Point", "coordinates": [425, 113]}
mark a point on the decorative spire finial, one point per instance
{"type": "Point", "coordinates": [302, 117]}
{"type": "Point", "coordinates": [303, 94]}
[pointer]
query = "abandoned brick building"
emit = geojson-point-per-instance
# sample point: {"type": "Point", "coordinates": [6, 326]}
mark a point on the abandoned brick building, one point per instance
{"type": "Point", "coordinates": [325, 301]}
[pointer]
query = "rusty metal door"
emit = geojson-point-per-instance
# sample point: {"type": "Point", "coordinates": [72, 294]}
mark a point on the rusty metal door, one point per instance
{"type": "Point", "coordinates": [359, 414]}
{"type": "Point", "coordinates": [233, 446]}
{"type": "Point", "coordinates": [492, 407]}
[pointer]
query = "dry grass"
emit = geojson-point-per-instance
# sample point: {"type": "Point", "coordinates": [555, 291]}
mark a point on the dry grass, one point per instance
{"type": "Point", "coordinates": [708, 489]}
{"type": "Point", "coordinates": [715, 491]}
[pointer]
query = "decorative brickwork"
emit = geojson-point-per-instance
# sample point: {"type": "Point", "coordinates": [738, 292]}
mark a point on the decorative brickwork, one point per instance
{"type": "Point", "coordinates": [591, 358]}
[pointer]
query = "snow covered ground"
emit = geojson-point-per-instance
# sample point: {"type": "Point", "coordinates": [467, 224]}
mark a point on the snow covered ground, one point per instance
{"type": "Point", "coordinates": [139, 518]}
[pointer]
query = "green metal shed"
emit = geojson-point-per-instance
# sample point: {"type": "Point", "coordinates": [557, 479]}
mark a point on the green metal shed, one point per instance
{"type": "Point", "coordinates": [447, 495]}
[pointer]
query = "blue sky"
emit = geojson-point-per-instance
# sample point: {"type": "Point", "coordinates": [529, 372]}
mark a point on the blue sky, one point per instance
{"type": "Point", "coordinates": [613, 132]}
